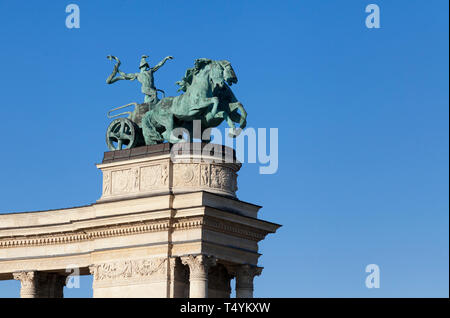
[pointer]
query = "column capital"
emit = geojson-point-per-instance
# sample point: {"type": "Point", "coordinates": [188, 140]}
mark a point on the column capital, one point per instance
{"type": "Point", "coordinates": [199, 265]}
{"type": "Point", "coordinates": [198, 273]}
{"type": "Point", "coordinates": [28, 283]}
{"type": "Point", "coordinates": [26, 278]}
{"type": "Point", "coordinates": [244, 270]}
{"type": "Point", "coordinates": [244, 279]}
{"type": "Point", "coordinates": [35, 284]}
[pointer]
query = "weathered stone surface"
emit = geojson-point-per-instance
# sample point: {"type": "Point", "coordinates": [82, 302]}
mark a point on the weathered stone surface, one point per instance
{"type": "Point", "coordinates": [141, 239]}
{"type": "Point", "coordinates": [153, 172]}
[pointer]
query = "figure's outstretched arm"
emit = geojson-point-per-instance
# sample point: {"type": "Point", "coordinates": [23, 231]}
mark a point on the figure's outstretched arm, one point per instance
{"type": "Point", "coordinates": [127, 76]}
{"type": "Point", "coordinates": [157, 66]}
{"type": "Point", "coordinates": [123, 76]}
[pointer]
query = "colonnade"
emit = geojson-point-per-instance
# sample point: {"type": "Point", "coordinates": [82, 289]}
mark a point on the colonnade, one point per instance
{"type": "Point", "coordinates": [200, 268]}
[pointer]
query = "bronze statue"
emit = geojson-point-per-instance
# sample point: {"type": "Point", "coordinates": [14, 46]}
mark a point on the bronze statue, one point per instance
{"type": "Point", "coordinates": [206, 97]}
{"type": "Point", "coordinates": [145, 77]}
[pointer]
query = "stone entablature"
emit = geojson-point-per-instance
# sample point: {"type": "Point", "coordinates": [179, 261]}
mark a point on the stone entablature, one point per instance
{"type": "Point", "coordinates": [202, 221]}
{"type": "Point", "coordinates": [154, 244]}
{"type": "Point", "coordinates": [196, 222]}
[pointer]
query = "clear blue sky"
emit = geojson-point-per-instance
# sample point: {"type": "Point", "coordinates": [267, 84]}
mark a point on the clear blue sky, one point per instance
{"type": "Point", "coordinates": [362, 117]}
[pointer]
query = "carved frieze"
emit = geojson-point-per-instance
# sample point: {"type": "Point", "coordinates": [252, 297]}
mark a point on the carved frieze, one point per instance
{"type": "Point", "coordinates": [165, 174]}
{"type": "Point", "coordinates": [131, 269]}
{"type": "Point", "coordinates": [218, 177]}
{"type": "Point", "coordinates": [186, 174]}
{"type": "Point", "coordinates": [106, 182]}
{"type": "Point", "coordinates": [121, 181]}
{"type": "Point", "coordinates": [205, 175]}
{"type": "Point", "coordinates": [223, 178]}
{"type": "Point", "coordinates": [151, 177]}
{"type": "Point", "coordinates": [155, 176]}
{"type": "Point", "coordinates": [137, 178]}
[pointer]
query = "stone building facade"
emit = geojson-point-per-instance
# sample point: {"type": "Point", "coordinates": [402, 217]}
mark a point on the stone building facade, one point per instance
{"type": "Point", "coordinates": [162, 228]}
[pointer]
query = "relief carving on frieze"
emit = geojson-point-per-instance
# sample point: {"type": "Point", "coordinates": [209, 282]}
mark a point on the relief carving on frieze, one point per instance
{"type": "Point", "coordinates": [223, 178]}
{"type": "Point", "coordinates": [165, 175]}
{"type": "Point", "coordinates": [106, 182]}
{"type": "Point", "coordinates": [121, 182]}
{"type": "Point", "coordinates": [186, 174]}
{"type": "Point", "coordinates": [151, 177]}
{"type": "Point", "coordinates": [122, 270]}
{"type": "Point", "coordinates": [205, 175]}
{"type": "Point", "coordinates": [157, 176]}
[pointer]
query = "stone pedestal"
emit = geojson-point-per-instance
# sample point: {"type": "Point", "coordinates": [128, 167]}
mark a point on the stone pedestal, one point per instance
{"type": "Point", "coordinates": [161, 228]}
{"type": "Point", "coordinates": [154, 170]}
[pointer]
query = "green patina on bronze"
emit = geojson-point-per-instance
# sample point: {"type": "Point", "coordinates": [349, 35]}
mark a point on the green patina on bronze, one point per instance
{"type": "Point", "coordinates": [206, 97]}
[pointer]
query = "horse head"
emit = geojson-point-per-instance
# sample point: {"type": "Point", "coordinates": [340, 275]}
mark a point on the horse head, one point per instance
{"type": "Point", "coordinates": [228, 73]}
{"type": "Point", "coordinates": [221, 74]}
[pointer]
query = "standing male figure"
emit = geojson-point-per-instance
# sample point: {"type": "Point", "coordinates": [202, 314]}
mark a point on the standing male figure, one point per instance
{"type": "Point", "coordinates": [145, 77]}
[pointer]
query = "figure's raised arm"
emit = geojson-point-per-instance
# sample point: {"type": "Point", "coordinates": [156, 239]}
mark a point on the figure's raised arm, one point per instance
{"type": "Point", "coordinates": [157, 66]}
{"type": "Point", "coordinates": [123, 76]}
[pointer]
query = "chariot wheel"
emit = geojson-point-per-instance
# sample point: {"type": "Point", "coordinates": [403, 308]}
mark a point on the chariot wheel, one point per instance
{"type": "Point", "coordinates": [122, 133]}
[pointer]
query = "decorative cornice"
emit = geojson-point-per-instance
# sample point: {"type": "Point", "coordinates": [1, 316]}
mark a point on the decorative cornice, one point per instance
{"type": "Point", "coordinates": [85, 234]}
{"type": "Point", "coordinates": [89, 234]}
{"type": "Point", "coordinates": [221, 226]}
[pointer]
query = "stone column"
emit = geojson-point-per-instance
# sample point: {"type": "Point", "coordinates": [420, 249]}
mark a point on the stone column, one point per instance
{"type": "Point", "coordinates": [219, 280]}
{"type": "Point", "coordinates": [28, 284]}
{"type": "Point", "coordinates": [179, 280]}
{"type": "Point", "coordinates": [40, 285]}
{"type": "Point", "coordinates": [244, 280]}
{"type": "Point", "coordinates": [53, 285]}
{"type": "Point", "coordinates": [198, 274]}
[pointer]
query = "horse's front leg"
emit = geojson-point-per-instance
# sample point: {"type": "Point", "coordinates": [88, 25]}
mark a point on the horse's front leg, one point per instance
{"type": "Point", "coordinates": [233, 133]}
{"type": "Point", "coordinates": [215, 101]}
{"type": "Point", "coordinates": [212, 113]}
{"type": "Point", "coordinates": [236, 117]}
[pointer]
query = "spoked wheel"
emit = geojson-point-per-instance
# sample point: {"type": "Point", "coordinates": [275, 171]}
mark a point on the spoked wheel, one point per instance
{"type": "Point", "coordinates": [122, 133]}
